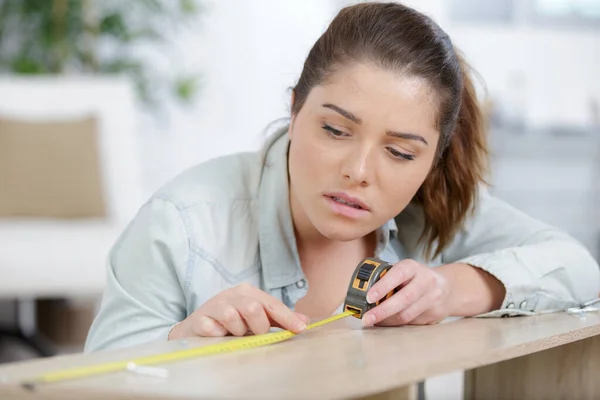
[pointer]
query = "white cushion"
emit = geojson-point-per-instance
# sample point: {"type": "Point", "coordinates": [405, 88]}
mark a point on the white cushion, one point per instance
{"type": "Point", "coordinates": [54, 258]}
{"type": "Point", "coordinates": [109, 98]}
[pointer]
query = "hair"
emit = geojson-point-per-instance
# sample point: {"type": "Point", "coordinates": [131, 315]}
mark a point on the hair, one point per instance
{"type": "Point", "coordinates": [401, 39]}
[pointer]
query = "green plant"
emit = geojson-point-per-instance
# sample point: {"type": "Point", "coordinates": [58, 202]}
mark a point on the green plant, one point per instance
{"type": "Point", "coordinates": [96, 37]}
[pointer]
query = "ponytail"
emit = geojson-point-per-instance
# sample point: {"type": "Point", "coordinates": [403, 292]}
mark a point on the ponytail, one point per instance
{"type": "Point", "coordinates": [450, 191]}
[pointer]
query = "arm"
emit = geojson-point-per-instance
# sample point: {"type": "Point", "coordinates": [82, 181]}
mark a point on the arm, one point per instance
{"type": "Point", "coordinates": [143, 297]}
{"type": "Point", "coordinates": [540, 267]}
{"type": "Point", "coordinates": [475, 291]}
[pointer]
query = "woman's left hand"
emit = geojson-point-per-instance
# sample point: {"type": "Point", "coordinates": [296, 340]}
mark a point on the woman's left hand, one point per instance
{"type": "Point", "coordinates": [424, 297]}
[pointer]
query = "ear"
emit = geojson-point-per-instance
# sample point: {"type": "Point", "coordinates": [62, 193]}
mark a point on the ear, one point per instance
{"type": "Point", "coordinates": [293, 97]}
{"type": "Point", "coordinates": [292, 117]}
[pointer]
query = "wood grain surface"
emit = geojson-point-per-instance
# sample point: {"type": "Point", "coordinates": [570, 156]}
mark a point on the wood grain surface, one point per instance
{"type": "Point", "coordinates": [338, 360]}
{"type": "Point", "coordinates": [566, 372]}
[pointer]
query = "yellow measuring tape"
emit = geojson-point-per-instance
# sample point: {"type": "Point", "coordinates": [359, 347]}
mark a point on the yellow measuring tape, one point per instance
{"type": "Point", "coordinates": [366, 274]}
{"type": "Point", "coordinates": [243, 343]}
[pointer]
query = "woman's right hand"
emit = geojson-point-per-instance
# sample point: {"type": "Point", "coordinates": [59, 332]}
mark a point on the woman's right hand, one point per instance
{"type": "Point", "coordinates": [238, 311]}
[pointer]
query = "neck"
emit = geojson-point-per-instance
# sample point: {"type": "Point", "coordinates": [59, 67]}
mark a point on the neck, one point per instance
{"type": "Point", "coordinates": [306, 233]}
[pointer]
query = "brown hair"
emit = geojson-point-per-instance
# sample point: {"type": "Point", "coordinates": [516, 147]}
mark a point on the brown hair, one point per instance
{"type": "Point", "coordinates": [401, 39]}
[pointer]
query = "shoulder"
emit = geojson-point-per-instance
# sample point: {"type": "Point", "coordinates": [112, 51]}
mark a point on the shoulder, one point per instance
{"type": "Point", "coordinates": [210, 209]}
{"type": "Point", "coordinates": [233, 177]}
{"type": "Point", "coordinates": [215, 207]}
{"type": "Point", "coordinates": [492, 224]}
{"type": "Point", "coordinates": [216, 202]}
{"type": "Point", "coordinates": [225, 180]}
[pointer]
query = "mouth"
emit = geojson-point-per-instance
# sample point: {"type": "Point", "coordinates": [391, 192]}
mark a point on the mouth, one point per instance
{"type": "Point", "coordinates": [347, 200]}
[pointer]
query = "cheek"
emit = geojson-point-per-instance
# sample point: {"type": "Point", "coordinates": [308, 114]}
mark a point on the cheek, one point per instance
{"type": "Point", "coordinates": [302, 154]}
{"type": "Point", "coordinates": [401, 184]}
{"type": "Point", "coordinates": [306, 162]}
{"type": "Point", "coordinates": [312, 151]}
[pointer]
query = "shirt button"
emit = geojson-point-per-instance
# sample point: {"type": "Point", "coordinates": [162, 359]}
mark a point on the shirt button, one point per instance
{"type": "Point", "coordinates": [511, 305]}
{"type": "Point", "coordinates": [523, 305]}
{"type": "Point", "coordinates": [301, 283]}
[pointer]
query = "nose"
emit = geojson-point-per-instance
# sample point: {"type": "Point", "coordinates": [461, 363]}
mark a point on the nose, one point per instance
{"type": "Point", "coordinates": [358, 167]}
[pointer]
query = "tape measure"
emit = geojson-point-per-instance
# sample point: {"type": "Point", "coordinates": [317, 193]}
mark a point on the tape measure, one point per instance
{"type": "Point", "coordinates": [365, 275]}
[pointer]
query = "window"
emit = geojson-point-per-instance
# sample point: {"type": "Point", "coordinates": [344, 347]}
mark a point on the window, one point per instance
{"type": "Point", "coordinates": [548, 13]}
{"type": "Point", "coordinates": [478, 11]}
{"type": "Point", "coordinates": [572, 13]}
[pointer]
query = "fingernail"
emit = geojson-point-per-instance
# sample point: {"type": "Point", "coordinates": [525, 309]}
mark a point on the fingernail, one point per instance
{"type": "Point", "coordinates": [368, 320]}
{"type": "Point", "coordinates": [372, 297]}
{"type": "Point", "coordinates": [300, 326]}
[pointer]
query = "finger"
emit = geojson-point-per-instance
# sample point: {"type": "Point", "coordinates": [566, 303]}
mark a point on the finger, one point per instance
{"type": "Point", "coordinates": [410, 314]}
{"type": "Point", "coordinates": [208, 327]}
{"type": "Point", "coordinates": [432, 314]}
{"type": "Point", "coordinates": [420, 313]}
{"type": "Point", "coordinates": [229, 317]}
{"type": "Point", "coordinates": [281, 316]}
{"type": "Point", "coordinates": [426, 319]}
{"type": "Point", "coordinates": [400, 273]}
{"type": "Point", "coordinates": [277, 312]}
{"type": "Point", "coordinates": [401, 300]}
{"type": "Point", "coordinates": [254, 315]}
{"type": "Point", "coordinates": [303, 317]}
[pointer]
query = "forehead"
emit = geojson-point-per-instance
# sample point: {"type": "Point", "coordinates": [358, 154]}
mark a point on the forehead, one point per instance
{"type": "Point", "coordinates": [381, 96]}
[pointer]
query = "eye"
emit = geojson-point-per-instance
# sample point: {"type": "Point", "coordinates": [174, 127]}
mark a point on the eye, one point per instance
{"type": "Point", "coordinates": [332, 132]}
{"type": "Point", "coordinates": [397, 154]}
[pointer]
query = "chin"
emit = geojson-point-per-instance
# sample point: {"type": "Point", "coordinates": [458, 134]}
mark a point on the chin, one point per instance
{"type": "Point", "coordinates": [340, 231]}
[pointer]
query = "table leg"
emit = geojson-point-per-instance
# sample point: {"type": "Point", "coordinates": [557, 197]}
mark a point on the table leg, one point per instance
{"type": "Point", "coordinates": [26, 330]}
{"type": "Point", "coordinates": [570, 371]}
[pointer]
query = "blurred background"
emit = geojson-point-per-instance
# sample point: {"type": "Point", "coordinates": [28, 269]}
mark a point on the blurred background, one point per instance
{"type": "Point", "coordinates": [103, 101]}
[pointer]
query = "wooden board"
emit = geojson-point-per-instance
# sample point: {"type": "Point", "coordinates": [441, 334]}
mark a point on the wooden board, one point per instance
{"type": "Point", "coordinates": [339, 360]}
{"type": "Point", "coordinates": [566, 372]}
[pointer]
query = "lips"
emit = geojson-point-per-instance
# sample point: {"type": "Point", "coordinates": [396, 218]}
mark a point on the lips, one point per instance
{"type": "Point", "coordinates": [347, 200]}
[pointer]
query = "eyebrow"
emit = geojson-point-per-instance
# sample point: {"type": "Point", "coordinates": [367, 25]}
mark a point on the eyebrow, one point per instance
{"type": "Point", "coordinates": [344, 113]}
{"type": "Point", "coordinates": [410, 136]}
{"type": "Point", "coordinates": [347, 114]}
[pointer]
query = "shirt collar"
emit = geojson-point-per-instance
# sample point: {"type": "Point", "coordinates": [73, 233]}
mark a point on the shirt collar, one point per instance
{"type": "Point", "coordinates": [383, 235]}
{"type": "Point", "coordinates": [279, 257]}
{"type": "Point", "coordinates": [278, 251]}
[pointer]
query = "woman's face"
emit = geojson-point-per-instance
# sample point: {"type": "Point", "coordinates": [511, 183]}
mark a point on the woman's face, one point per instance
{"type": "Point", "coordinates": [361, 146]}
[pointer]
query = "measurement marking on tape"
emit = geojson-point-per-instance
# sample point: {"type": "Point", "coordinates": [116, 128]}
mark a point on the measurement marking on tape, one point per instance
{"type": "Point", "coordinates": [242, 343]}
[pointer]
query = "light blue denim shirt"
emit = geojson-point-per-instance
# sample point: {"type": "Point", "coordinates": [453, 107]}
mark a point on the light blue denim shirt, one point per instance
{"type": "Point", "coordinates": [227, 221]}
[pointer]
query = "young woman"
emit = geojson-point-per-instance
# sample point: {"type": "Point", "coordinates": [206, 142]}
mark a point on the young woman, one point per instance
{"type": "Point", "coordinates": [384, 156]}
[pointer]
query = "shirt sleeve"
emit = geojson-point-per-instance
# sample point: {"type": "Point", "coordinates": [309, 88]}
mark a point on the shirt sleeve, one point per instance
{"type": "Point", "coordinates": [144, 295]}
{"type": "Point", "coordinates": [542, 268]}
